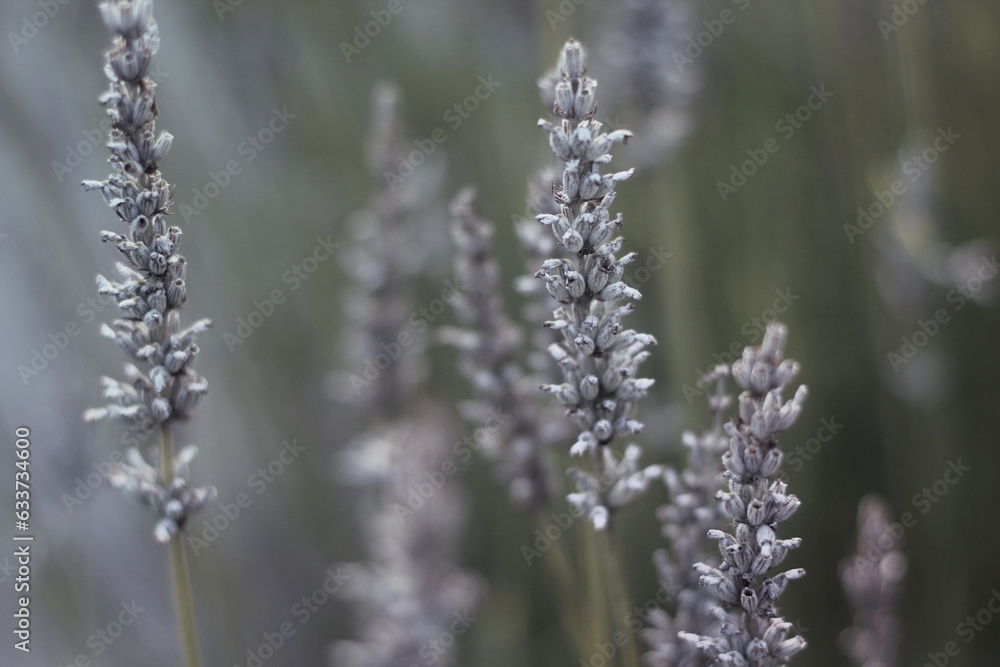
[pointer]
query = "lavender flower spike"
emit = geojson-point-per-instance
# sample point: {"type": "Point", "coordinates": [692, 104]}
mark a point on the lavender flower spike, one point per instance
{"type": "Point", "coordinates": [872, 579]}
{"type": "Point", "coordinates": [598, 357]}
{"type": "Point", "coordinates": [758, 636]}
{"type": "Point", "coordinates": [161, 385]}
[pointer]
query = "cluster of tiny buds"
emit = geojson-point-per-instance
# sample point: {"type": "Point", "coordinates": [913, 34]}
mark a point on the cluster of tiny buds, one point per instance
{"type": "Point", "coordinates": [756, 505]}
{"type": "Point", "coordinates": [153, 273]}
{"type": "Point", "coordinates": [173, 504]}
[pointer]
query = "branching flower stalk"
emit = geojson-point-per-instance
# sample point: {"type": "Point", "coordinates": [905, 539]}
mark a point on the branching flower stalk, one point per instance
{"type": "Point", "coordinates": [693, 510]}
{"type": "Point", "coordinates": [161, 386]}
{"type": "Point", "coordinates": [755, 635]}
{"type": "Point", "coordinates": [598, 357]}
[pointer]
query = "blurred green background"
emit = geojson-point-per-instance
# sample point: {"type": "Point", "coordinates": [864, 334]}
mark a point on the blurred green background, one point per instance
{"type": "Point", "coordinates": [224, 69]}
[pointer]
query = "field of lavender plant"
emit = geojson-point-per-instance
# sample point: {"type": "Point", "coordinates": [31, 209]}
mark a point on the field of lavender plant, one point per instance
{"type": "Point", "coordinates": [398, 333]}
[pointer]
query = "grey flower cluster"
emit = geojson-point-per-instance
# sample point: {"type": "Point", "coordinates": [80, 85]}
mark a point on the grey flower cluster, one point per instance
{"type": "Point", "coordinates": [489, 348]}
{"type": "Point", "coordinates": [645, 48]}
{"type": "Point", "coordinates": [756, 505]}
{"type": "Point", "coordinates": [409, 592]}
{"type": "Point", "coordinates": [382, 260]}
{"type": "Point", "coordinates": [175, 503]}
{"type": "Point", "coordinates": [161, 386]}
{"type": "Point", "coordinates": [872, 580]}
{"type": "Point", "coordinates": [598, 357]}
{"type": "Point", "coordinates": [692, 511]}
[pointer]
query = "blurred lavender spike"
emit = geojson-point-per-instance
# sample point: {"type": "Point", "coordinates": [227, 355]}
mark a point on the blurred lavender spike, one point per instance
{"type": "Point", "coordinates": [489, 347]}
{"type": "Point", "coordinates": [409, 591]}
{"type": "Point", "coordinates": [692, 511]}
{"type": "Point", "coordinates": [872, 579]}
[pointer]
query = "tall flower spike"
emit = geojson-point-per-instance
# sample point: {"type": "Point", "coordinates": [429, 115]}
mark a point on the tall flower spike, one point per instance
{"type": "Point", "coordinates": [598, 356]}
{"type": "Point", "coordinates": [692, 511]}
{"type": "Point", "coordinates": [872, 579]}
{"type": "Point", "coordinates": [489, 349]}
{"type": "Point", "coordinates": [756, 635]}
{"type": "Point", "coordinates": [409, 590]}
{"type": "Point", "coordinates": [382, 260]}
{"type": "Point", "coordinates": [161, 384]}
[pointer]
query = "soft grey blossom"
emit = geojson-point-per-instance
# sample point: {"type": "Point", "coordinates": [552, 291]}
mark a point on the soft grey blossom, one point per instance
{"type": "Point", "coordinates": [409, 590]}
{"type": "Point", "coordinates": [489, 347]}
{"type": "Point", "coordinates": [754, 633]}
{"type": "Point", "coordinates": [872, 579]}
{"type": "Point", "coordinates": [692, 511]}
{"type": "Point", "coordinates": [598, 357]}
{"type": "Point", "coordinates": [161, 384]}
{"type": "Point", "coordinates": [653, 77]}
{"type": "Point", "coordinates": [173, 504]}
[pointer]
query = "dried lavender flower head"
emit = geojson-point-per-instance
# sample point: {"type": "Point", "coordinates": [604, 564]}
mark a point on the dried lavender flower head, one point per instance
{"type": "Point", "coordinates": [598, 357]}
{"type": "Point", "coordinates": [872, 579]}
{"type": "Point", "coordinates": [161, 386]}
{"type": "Point", "coordinates": [757, 635]}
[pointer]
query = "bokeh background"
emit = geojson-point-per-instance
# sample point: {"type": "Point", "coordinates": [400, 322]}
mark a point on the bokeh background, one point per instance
{"type": "Point", "coordinates": [225, 67]}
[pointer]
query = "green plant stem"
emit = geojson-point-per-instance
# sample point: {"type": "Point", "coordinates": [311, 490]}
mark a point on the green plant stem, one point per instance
{"type": "Point", "coordinates": [570, 612]}
{"type": "Point", "coordinates": [619, 594]}
{"type": "Point", "coordinates": [180, 575]}
{"type": "Point", "coordinates": [597, 598]}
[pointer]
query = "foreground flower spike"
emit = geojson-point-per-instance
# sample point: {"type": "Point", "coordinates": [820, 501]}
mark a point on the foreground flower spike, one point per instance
{"type": "Point", "coordinates": [872, 579]}
{"type": "Point", "coordinates": [756, 635]}
{"type": "Point", "coordinates": [693, 510]}
{"type": "Point", "coordinates": [161, 385]}
{"type": "Point", "coordinates": [489, 347]}
{"type": "Point", "coordinates": [598, 357]}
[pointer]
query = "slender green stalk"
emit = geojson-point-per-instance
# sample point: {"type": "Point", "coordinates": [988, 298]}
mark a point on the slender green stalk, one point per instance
{"type": "Point", "coordinates": [180, 575]}
{"type": "Point", "coordinates": [566, 593]}
{"type": "Point", "coordinates": [618, 589]}
{"type": "Point", "coordinates": [597, 592]}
